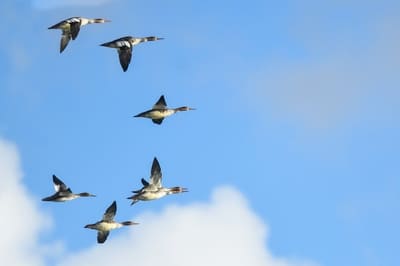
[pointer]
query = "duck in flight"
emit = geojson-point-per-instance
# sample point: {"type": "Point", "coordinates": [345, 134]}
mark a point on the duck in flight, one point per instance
{"type": "Point", "coordinates": [63, 192]}
{"type": "Point", "coordinates": [154, 190]}
{"type": "Point", "coordinates": [160, 111]}
{"type": "Point", "coordinates": [107, 224]}
{"type": "Point", "coordinates": [70, 28]}
{"type": "Point", "coordinates": [124, 47]}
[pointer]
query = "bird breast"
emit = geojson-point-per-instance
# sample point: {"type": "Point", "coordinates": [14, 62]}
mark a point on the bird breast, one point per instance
{"type": "Point", "coordinates": [152, 195]}
{"type": "Point", "coordinates": [158, 114]}
{"type": "Point", "coordinates": [106, 226]}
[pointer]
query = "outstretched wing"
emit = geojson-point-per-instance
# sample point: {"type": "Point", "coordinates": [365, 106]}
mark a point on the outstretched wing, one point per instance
{"type": "Point", "coordinates": [102, 236]}
{"type": "Point", "coordinates": [108, 216]}
{"type": "Point", "coordinates": [157, 121]}
{"type": "Point", "coordinates": [75, 26]}
{"type": "Point", "coordinates": [65, 38]}
{"type": "Point", "coordinates": [160, 104]}
{"type": "Point", "coordinates": [144, 182]}
{"type": "Point", "coordinates": [125, 55]}
{"type": "Point", "coordinates": [59, 185]}
{"type": "Point", "coordinates": [155, 178]}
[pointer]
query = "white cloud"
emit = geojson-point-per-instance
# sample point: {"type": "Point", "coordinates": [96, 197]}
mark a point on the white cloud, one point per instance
{"type": "Point", "coordinates": [224, 231]}
{"type": "Point", "coordinates": [21, 220]}
{"type": "Point", "coordinates": [47, 4]}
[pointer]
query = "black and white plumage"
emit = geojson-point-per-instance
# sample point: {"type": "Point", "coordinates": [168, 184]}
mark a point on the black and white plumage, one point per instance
{"type": "Point", "coordinates": [160, 111]}
{"type": "Point", "coordinates": [63, 192]}
{"type": "Point", "coordinates": [105, 225]}
{"type": "Point", "coordinates": [153, 189]}
{"type": "Point", "coordinates": [70, 28]}
{"type": "Point", "coordinates": [124, 47]}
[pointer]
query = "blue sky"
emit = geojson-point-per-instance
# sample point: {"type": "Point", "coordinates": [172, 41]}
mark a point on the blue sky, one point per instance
{"type": "Point", "coordinates": [291, 158]}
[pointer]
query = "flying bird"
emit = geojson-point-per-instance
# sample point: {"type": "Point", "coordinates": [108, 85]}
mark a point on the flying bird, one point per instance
{"type": "Point", "coordinates": [160, 111]}
{"type": "Point", "coordinates": [124, 46]}
{"type": "Point", "coordinates": [154, 190]}
{"type": "Point", "coordinates": [107, 224]}
{"type": "Point", "coordinates": [70, 28]}
{"type": "Point", "coordinates": [63, 192]}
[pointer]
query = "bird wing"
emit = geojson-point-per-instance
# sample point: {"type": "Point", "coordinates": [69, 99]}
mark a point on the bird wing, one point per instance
{"type": "Point", "coordinates": [157, 121]}
{"type": "Point", "coordinates": [108, 216]}
{"type": "Point", "coordinates": [59, 185]}
{"type": "Point", "coordinates": [102, 236]}
{"type": "Point", "coordinates": [144, 182]}
{"type": "Point", "coordinates": [155, 178]}
{"type": "Point", "coordinates": [145, 185]}
{"type": "Point", "coordinates": [65, 38]}
{"type": "Point", "coordinates": [160, 104]}
{"type": "Point", "coordinates": [75, 26]}
{"type": "Point", "coordinates": [125, 55]}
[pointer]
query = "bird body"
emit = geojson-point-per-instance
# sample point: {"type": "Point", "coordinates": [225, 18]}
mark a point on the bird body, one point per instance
{"type": "Point", "coordinates": [104, 226]}
{"type": "Point", "coordinates": [63, 192]}
{"type": "Point", "coordinates": [125, 45]}
{"type": "Point", "coordinates": [154, 190]}
{"type": "Point", "coordinates": [70, 28]}
{"type": "Point", "coordinates": [160, 111]}
{"type": "Point", "coordinates": [146, 195]}
{"type": "Point", "coordinates": [62, 196]}
{"type": "Point", "coordinates": [107, 224]}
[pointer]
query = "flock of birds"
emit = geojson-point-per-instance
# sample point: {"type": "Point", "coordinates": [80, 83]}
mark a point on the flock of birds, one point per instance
{"type": "Point", "coordinates": [152, 189]}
